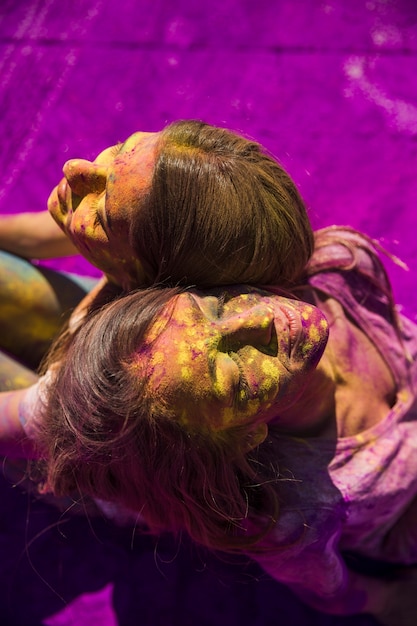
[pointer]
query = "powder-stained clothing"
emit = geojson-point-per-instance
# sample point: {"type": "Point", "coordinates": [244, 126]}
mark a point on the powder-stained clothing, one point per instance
{"type": "Point", "coordinates": [349, 494]}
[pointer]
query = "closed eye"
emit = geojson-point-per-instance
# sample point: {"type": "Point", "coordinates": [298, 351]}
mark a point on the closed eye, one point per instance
{"type": "Point", "coordinates": [98, 220]}
{"type": "Point", "coordinates": [244, 389]}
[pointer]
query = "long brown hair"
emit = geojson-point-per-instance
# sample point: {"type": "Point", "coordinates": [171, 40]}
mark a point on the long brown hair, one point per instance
{"type": "Point", "coordinates": [219, 211]}
{"type": "Point", "coordinates": [101, 437]}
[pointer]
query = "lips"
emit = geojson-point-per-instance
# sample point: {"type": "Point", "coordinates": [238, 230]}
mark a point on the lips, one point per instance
{"type": "Point", "coordinates": [294, 326]}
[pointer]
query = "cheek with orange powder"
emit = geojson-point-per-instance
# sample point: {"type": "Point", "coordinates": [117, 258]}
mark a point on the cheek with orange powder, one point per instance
{"type": "Point", "coordinates": [128, 181]}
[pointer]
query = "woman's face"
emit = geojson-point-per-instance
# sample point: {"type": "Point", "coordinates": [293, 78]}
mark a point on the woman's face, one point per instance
{"type": "Point", "coordinates": [95, 201]}
{"type": "Point", "coordinates": [220, 361]}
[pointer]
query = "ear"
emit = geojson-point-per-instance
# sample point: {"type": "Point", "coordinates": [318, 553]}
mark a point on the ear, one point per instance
{"type": "Point", "coordinates": [256, 436]}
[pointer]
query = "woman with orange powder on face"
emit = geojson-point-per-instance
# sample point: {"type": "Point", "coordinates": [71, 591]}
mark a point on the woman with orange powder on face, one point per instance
{"type": "Point", "coordinates": [230, 414]}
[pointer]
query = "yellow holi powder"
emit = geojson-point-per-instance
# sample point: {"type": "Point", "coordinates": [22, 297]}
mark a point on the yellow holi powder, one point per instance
{"type": "Point", "coordinates": [270, 369]}
{"type": "Point", "coordinates": [184, 353]}
{"type": "Point", "coordinates": [183, 357]}
{"type": "Point", "coordinates": [307, 313]}
{"type": "Point", "coordinates": [314, 334]}
{"type": "Point", "coordinates": [156, 329]}
{"type": "Point", "coordinates": [403, 395]}
{"type": "Point", "coordinates": [200, 345]}
{"type": "Point", "coordinates": [20, 381]}
{"type": "Point", "coordinates": [307, 347]}
{"type": "Point", "coordinates": [186, 373]}
{"type": "Point", "coordinates": [266, 386]}
{"type": "Point", "coordinates": [220, 385]}
{"type": "Point", "coordinates": [158, 358]}
{"type": "Point", "coordinates": [89, 231]}
{"type": "Point", "coordinates": [228, 415]}
{"type": "Point", "coordinates": [189, 322]}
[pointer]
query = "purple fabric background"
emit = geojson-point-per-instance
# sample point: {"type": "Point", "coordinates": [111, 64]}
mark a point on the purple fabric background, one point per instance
{"type": "Point", "coordinates": [330, 87]}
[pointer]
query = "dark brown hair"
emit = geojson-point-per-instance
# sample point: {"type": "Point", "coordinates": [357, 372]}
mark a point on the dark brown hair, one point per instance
{"type": "Point", "coordinates": [219, 211]}
{"type": "Point", "coordinates": [101, 437]}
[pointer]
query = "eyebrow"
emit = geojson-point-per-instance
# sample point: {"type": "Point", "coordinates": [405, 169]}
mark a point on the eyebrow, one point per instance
{"type": "Point", "coordinates": [103, 223]}
{"type": "Point", "coordinates": [108, 218]}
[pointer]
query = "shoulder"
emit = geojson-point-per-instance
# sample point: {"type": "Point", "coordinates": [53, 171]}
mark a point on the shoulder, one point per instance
{"type": "Point", "coordinates": [347, 266]}
{"type": "Point", "coordinates": [346, 249]}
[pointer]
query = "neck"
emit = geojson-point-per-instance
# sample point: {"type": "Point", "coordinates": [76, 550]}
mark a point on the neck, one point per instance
{"type": "Point", "coordinates": [315, 409]}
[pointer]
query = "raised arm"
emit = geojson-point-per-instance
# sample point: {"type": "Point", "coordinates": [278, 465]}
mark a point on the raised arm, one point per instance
{"type": "Point", "coordinates": [34, 236]}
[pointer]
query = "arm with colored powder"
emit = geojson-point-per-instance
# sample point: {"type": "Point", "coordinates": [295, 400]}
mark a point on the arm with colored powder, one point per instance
{"type": "Point", "coordinates": [14, 441]}
{"type": "Point", "coordinates": [34, 236]}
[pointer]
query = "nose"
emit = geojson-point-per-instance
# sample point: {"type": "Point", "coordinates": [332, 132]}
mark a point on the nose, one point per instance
{"type": "Point", "coordinates": [85, 177]}
{"type": "Point", "coordinates": [254, 326]}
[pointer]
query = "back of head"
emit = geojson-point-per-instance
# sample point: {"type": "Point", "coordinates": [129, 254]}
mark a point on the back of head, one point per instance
{"type": "Point", "coordinates": [220, 211]}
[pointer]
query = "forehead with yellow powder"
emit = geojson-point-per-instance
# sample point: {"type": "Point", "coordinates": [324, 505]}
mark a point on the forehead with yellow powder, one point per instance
{"type": "Point", "coordinates": [207, 380]}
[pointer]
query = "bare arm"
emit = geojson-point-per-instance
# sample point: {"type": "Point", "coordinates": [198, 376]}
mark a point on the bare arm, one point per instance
{"type": "Point", "coordinates": [13, 440]}
{"type": "Point", "coordinates": [34, 236]}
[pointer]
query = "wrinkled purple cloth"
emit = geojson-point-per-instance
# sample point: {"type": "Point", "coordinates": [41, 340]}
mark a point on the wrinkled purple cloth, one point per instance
{"type": "Point", "coordinates": [330, 88]}
{"type": "Point", "coordinates": [351, 494]}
